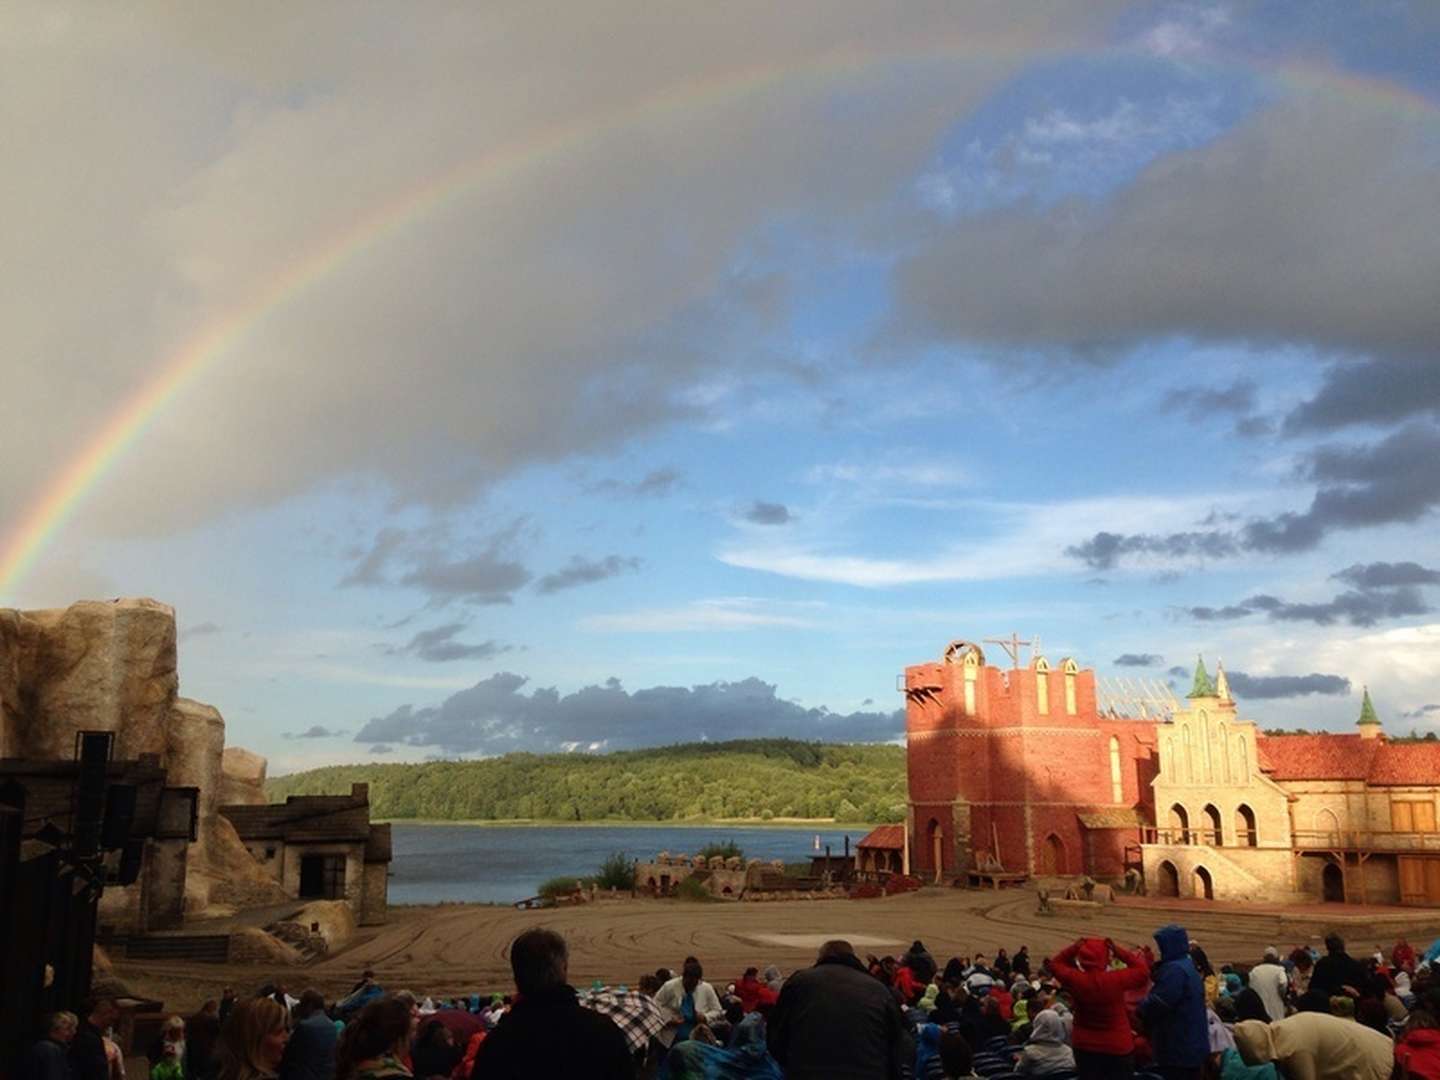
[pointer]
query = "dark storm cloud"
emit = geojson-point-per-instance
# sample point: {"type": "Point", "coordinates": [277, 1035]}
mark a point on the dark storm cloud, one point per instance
{"type": "Point", "coordinates": [1371, 391]}
{"type": "Point", "coordinates": [1131, 659]}
{"type": "Point", "coordinates": [1421, 712]}
{"type": "Point", "coordinates": [494, 716]}
{"type": "Point", "coordinates": [1263, 687]}
{"type": "Point", "coordinates": [1358, 608]}
{"type": "Point", "coordinates": [1328, 190]}
{"type": "Point", "coordinates": [382, 749]}
{"type": "Point", "coordinates": [438, 645]}
{"type": "Point", "coordinates": [1357, 486]}
{"type": "Point", "coordinates": [1382, 575]}
{"type": "Point", "coordinates": [653, 485]}
{"type": "Point", "coordinates": [583, 571]}
{"type": "Point", "coordinates": [1201, 402]}
{"type": "Point", "coordinates": [204, 629]}
{"type": "Point", "coordinates": [1105, 549]}
{"type": "Point", "coordinates": [767, 513]}
{"type": "Point", "coordinates": [315, 732]}
{"type": "Point", "coordinates": [432, 565]}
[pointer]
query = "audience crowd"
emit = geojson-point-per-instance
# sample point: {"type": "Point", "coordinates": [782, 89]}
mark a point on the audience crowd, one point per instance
{"type": "Point", "coordinates": [1096, 1009]}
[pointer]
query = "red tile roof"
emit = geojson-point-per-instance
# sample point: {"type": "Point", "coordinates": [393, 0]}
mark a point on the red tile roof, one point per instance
{"type": "Point", "coordinates": [1318, 757]}
{"type": "Point", "coordinates": [1348, 757]}
{"type": "Point", "coordinates": [885, 836]}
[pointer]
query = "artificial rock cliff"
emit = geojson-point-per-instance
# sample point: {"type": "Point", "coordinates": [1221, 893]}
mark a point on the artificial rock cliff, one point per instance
{"type": "Point", "coordinates": [111, 666]}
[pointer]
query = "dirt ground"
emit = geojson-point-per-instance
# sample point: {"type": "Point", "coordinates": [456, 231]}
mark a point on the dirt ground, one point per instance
{"type": "Point", "coordinates": [460, 949]}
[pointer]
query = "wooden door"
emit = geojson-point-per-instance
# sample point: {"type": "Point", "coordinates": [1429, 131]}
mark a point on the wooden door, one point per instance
{"type": "Point", "coordinates": [1419, 880]}
{"type": "Point", "coordinates": [1424, 816]}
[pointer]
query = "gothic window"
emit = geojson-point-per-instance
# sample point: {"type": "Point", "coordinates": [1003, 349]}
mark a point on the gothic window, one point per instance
{"type": "Point", "coordinates": [1071, 669]}
{"type": "Point", "coordinates": [1117, 788]}
{"type": "Point", "coordinates": [1042, 687]}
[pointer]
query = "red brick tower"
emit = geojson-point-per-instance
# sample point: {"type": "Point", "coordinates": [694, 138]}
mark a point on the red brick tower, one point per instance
{"type": "Point", "coordinates": [1018, 764]}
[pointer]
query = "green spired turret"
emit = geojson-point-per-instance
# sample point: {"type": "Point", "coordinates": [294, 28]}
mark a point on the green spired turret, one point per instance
{"type": "Point", "coordinates": [1202, 686]}
{"type": "Point", "coordinates": [1367, 711]}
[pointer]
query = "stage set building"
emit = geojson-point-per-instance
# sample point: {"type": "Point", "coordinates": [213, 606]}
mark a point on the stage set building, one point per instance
{"type": "Point", "coordinates": [1020, 771]}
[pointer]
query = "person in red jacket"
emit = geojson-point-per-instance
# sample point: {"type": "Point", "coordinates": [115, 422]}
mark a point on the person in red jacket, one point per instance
{"type": "Point", "coordinates": [1104, 1045]}
{"type": "Point", "coordinates": [1417, 1053]}
{"type": "Point", "coordinates": [753, 993]}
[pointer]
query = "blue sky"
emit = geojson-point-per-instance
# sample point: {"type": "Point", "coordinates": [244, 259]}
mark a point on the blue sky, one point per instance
{"type": "Point", "coordinates": [1113, 325]}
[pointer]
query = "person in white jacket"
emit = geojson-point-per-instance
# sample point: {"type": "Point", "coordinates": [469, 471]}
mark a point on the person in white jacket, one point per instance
{"type": "Point", "coordinates": [690, 1000]}
{"type": "Point", "coordinates": [1317, 1046]}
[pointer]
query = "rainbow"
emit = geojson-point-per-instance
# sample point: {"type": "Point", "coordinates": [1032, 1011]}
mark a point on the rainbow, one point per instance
{"type": "Point", "coordinates": [46, 516]}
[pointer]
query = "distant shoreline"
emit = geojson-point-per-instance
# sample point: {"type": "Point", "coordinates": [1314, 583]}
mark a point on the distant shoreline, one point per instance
{"type": "Point", "coordinates": [541, 823]}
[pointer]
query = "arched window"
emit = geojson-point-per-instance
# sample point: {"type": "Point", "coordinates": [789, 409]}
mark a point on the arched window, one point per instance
{"type": "Point", "coordinates": [1071, 669]}
{"type": "Point", "coordinates": [972, 675]}
{"type": "Point", "coordinates": [1117, 787]}
{"type": "Point", "coordinates": [1204, 885]}
{"type": "Point", "coordinates": [1042, 686]}
{"type": "Point", "coordinates": [1246, 834]}
{"type": "Point", "coordinates": [1326, 822]}
{"type": "Point", "coordinates": [1179, 825]}
{"type": "Point", "coordinates": [1213, 833]}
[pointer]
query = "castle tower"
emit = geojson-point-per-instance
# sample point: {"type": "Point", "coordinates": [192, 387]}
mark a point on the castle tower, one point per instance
{"type": "Point", "coordinates": [1201, 687]}
{"type": "Point", "coordinates": [1015, 766]}
{"type": "Point", "coordinates": [1222, 687]}
{"type": "Point", "coordinates": [1369, 722]}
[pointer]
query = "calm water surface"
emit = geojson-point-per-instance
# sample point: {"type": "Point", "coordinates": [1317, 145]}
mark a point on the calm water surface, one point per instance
{"type": "Point", "coordinates": [505, 863]}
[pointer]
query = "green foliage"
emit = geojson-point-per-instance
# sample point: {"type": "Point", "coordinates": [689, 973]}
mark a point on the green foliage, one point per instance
{"type": "Point", "coordinates": [616, 872]}
{"type": "Point", "coordinates": [562, 886]}
{"type": "Point", "coordinates": [693, 890]}
{"type": "Point", "coordinates": [745, 779]}
{"type": "Point", "coordinates": [726, 849]}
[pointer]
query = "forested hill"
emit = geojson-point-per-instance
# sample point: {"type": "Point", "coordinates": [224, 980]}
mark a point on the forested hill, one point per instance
{"type": "Point", "coordinates": [753, 778]}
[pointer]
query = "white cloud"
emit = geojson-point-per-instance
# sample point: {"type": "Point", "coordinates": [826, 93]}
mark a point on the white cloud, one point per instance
{"type": "Point", "coordinates": [723, 613]}
{"type": "Point", "coordinates": [1020, 540]}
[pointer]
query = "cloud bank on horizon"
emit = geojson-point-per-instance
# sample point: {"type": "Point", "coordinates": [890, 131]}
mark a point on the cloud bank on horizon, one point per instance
{"type": "Point", "coordinates": [754, 352]}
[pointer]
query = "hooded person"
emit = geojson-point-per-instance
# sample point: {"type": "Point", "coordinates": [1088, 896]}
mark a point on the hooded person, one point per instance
{"type": "Point", "coordinates": [1174, 1010]}
{"type": "Point", "coordinates": [928, 999]}
{"type": "Point", "coordinates": [919, 960]}
{"type": "Point", "coordinates": [1100, 1030]}
{"type": "Point", "coordinates": [1418, 1049]}
{"type": "Point", "coordinates": [1045, 1051]}
{"type": "Point", "coordinates": [1317, 1046]}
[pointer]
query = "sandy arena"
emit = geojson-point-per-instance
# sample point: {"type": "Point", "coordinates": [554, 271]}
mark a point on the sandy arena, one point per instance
{"type": "Point", "coordinates": [454, 949]}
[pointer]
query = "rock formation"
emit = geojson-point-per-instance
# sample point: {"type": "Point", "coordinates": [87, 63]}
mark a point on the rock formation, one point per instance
{"type": "Point", "coordinates": [111, 666]}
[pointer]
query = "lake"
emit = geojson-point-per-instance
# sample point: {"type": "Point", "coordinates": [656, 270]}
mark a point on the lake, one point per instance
{"type": "Point", "coordinates": [499, 864]}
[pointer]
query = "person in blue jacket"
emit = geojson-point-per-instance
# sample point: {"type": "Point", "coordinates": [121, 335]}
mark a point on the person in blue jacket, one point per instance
{"type": "Point", "coordinates": [1174, 1010]}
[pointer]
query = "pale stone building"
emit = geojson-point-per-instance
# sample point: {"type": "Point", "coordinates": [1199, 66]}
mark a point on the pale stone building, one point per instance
{"type": "Point", "coordinates": [1245, 816]}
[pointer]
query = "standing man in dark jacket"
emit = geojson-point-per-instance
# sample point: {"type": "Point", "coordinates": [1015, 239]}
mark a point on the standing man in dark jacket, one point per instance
{"type": "Point", "coordinates": [310, 1053]}
{"type": "Point", "coordinates": [547, 1032]}
{"type": "Point", "coordinates": [87, 1049]}
{"type": "Point", "coordinates": [834, 1020]}
{"type": "Point", "coordinates": [1174, 1011]}
{"type": "Point", "coordinates": [1338, 972]}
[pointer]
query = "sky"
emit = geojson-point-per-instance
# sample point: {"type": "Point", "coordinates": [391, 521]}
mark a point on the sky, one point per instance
{"type": "Point", "coordinates": [478, 378]}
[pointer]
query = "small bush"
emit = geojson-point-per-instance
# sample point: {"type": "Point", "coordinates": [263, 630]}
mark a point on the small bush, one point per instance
{"type": "Point", "coordinates": [727, 849]}
{"type": "Point", "coordinates": [616, 872]}
{"type": "Point", "coordinates": [562, 886]}
{"type": "Point", "coordinates": [694, 890]}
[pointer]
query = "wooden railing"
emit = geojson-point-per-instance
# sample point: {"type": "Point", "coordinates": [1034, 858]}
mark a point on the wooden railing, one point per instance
{"type": "Point", "coordinates": [1367, 840]}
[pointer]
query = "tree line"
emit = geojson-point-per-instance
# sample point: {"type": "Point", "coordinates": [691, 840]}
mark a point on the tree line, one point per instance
{"type": "Point", "coordinates": [748, 778]}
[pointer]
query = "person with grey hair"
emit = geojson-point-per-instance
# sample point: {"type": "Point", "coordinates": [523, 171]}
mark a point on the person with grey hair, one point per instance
{"type": "Point", "coordinates": [547, 1032]}
{"type": "Point", "coordinates": [48, 1059]}
{"type": "Point", "coordinates": [834, 1020]}
{"type": "Point", "coordinates": [1271, 981]}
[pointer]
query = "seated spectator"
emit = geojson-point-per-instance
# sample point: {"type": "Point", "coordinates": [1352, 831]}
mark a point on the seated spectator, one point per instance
{"type": "Point", "coordinates": [753, 993]}
{"type": "Point", "coordinates": [834, 1021]}
{"type": "Point", "coordinates": [547, 1033]}
{"type": "Point", "coordinates": [746, 1057]}
{"type": "Point", "coordinates": [252, 1040]}
{"type": "Point", "coordinates": [310, 1054]}
{"type": "Point", "coordinates": [201, 1033]}
{"type": "Point", "coordinates": [435, 1052]}
{"type": "Point", "coordinates": [1046, 1051]}
{"type": "Point", "coordinates": [1417, 1053]}
{"type": "Point", "coordinates": [690, 1000]}
{"type": "Point", "coordinates": [1317, 1046]}
{"type": "Point", "coordinates": [167, 1051]}
{"type": "Point", "coordinates": [47, 1059]}
{"type": "Point", "coordinates": [956, 1057]}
